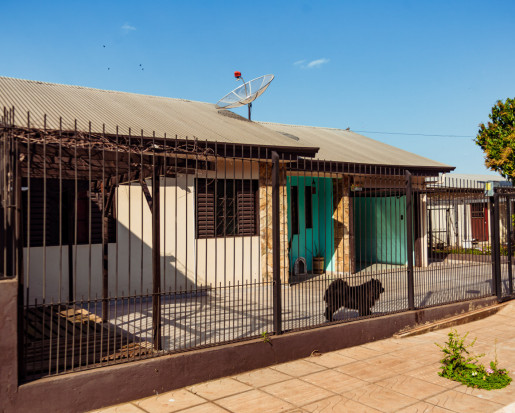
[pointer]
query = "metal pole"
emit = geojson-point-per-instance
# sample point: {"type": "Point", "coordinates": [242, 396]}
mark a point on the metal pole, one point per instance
{"type": "Point", "coordinates": [156, 253]}
{"type": "Point", "coordinates": [18, 238]}
{"type": "Point", "coordinates": [495, 242]}
{"type": "Point", "coordinates": [509, 235]}
{"type": "Point", "coordinates": [276, 253]}
{"type": "Point", "coordinates": [409, 238]}
{"type": "Point", "coordinates": [70, 220]}
{"type": "Point", "coordinates": [105, 257]}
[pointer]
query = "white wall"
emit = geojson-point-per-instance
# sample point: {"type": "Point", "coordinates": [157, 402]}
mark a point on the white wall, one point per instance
{"type": "Point", "coordinates": [186, 261]}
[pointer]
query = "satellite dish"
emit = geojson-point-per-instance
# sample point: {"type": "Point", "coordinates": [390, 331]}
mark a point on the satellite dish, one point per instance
{"type": "Point", "coordinates": [246, 93]}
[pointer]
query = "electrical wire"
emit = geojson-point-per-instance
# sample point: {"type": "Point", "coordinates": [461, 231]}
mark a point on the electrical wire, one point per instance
{"type": "Point", "coordinates": [415, 134]}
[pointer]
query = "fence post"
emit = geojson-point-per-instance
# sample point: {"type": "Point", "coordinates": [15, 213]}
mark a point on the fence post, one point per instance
{"type": "Point", "coordinates": [156, 254]}
{"type": "Point", "coordinates": [495, 246]}
{"type": "Point", "coordinates": [409, 239]}
{"type": "Point", "coordinates": [510, 250]}
{"type": "Point", "coordinates": [276, 251]}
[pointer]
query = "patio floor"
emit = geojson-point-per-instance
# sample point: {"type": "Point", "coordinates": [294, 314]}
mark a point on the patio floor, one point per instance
{"type": "Point", "coordinates": [222, 315]}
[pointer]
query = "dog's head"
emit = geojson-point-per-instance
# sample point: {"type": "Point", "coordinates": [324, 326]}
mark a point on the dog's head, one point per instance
{"type": "Point", "coordinates": [377, 288]}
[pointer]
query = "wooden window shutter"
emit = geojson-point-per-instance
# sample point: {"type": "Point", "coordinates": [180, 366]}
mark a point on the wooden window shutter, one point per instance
{"type": "Point", "coordinates": [205, 209]}
{"type": "Point", "coordinates": [246, 207]}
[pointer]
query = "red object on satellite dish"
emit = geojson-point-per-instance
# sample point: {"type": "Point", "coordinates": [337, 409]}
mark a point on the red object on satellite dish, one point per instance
{"type": "Point", "coordinates": [237, 74]}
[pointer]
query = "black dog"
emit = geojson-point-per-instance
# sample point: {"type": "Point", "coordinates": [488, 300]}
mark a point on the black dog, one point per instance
{"type": "Point", "coordinates": [360, 298]}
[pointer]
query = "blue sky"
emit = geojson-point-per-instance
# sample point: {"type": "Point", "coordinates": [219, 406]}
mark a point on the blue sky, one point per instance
{"type": "Point", "coordinates": [426, 67]}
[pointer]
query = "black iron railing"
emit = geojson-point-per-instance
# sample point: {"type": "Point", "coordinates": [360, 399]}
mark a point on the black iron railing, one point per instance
{"type": "Point", "coordinates": [134, 246]}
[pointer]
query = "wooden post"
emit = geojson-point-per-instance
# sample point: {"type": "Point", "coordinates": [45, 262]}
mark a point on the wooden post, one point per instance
{"type": "Point", "coordinates": [156, 254]}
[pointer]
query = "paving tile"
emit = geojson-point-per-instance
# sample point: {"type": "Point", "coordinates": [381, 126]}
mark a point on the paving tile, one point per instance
{"type": "Point", "coordinates": [385, 346]}
{"type": "Point", "coordinates": [411, 386]}
{"type": "Point", "coordinates": [262, 377]}
{"type": "Point", "coordinates": [359, 353]}
{"type": "Point", "coordinates": [423, 407]}
{"type": "Point", "coordinates": [380, 398]}
{"type": "Point", "coordinates": [430, 374]}
{"type": "Point", "coordinates": [510, 408]}
{"type": "Point", "coordinates": [297, 392]}
{"type": "Point", "coordinates": [120, 408]}
{"type": "Point", "coordinates": [334, 381]}
{"type": "Point", "coordinates": [394, 363]}
{"type": "Point", "coordinates": [338, 404]}
{"type": "Point", "coordinates": [503, 396]}
{"type": "Point", "coordinates": [205, 408]}
{"type": "Point", "coordinates": [217, 389]}
{"type": "Point", "coordinates": [366, 371]}
{"type": "Point", "coordinates": [254, 401]}
{"type": "Point", "coordinates": [461, 402]}
{"type": "Point", "coordinates": [298, 368]}
{"type": "Point", "coordinates": [422, 355]}
{"type": "Point", "coordinates": [330, 360]}
{"type": "Point", "coordinates": [169, 402]}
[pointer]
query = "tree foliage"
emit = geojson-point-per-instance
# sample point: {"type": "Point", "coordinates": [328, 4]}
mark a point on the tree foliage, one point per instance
{"type": "Point", "coordinates": [497, 139]}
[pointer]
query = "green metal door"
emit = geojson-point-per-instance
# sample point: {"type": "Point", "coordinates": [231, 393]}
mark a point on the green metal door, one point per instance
{"type": "Point", "coordinates": [310, 225]}
{"type": "Point", "coordinates": [380, 230]}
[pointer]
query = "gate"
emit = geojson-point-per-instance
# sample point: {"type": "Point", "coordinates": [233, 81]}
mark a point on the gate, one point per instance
{"type": "Point", "coordinates": [502, 215]}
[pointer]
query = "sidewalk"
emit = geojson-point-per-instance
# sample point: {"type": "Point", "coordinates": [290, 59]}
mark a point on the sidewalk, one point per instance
{"type": "Point", "coordinates": [393, 375]}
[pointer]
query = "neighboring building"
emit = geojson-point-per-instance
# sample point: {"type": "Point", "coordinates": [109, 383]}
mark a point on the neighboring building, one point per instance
{"type": "Point", "coordinates": [462, 220]}
{"type": "Point", "coordinates": [342, 195]}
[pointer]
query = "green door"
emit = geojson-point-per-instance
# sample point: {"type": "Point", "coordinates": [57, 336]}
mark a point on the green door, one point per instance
{"type": "Point", "coordinates": [310, 225]}
{"type": "Point", "coordinates": [380, 230]}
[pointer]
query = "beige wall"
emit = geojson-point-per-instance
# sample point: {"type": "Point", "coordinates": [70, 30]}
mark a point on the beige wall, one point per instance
{"type": "Point", "coordinates": [187, 262]}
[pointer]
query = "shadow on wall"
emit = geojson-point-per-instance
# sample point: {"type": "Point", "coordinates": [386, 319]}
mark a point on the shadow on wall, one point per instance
{"type": "Point", "coordinates": [47, 277]}
{"type": "Point", "coordinates": [187, 263]}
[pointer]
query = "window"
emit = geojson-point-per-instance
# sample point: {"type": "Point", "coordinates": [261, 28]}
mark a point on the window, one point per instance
{"type": "Point", "coordinates": [62, 219]}
{"type": "Point", "coordinates": [294, 210]}
{"type": "Point", "coordinates": [226, 207]}
{"type": "Point", "coordinates": [308, 207]}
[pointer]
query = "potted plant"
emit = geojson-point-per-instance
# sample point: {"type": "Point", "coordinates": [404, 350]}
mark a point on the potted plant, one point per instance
{"type": "Point", "coordinates": [318, 262]}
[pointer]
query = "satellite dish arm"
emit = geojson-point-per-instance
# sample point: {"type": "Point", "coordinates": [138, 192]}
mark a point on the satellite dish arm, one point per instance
{"type": "Point", "coordinates": [246, 94]}
{"type": "Point", "coordinates": [244, 84]}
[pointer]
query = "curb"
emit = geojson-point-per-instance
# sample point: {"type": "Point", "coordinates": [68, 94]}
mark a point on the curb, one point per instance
{"type": "Point", "coordinates": [452, 321]}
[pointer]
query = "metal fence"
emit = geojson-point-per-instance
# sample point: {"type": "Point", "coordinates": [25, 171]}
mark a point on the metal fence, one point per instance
{"type": "Point", "coordinates": [234, 242]}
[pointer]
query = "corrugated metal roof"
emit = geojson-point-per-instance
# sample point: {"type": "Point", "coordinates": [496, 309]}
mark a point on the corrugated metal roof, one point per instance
{"type": "Point", "coordinates": [186, 118]}
{"type": "Point", "coordinates": [347, 146]}
{"type": "Point", "coordinates": [183, 118]}
{"type": "Point", "coordinates": [472, 180]}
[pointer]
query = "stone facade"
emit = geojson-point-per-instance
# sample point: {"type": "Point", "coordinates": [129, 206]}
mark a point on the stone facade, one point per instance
{"type": "Point", "coordinates": [265, 222]}
{"type": "Point", "coordinates": [342, 223]}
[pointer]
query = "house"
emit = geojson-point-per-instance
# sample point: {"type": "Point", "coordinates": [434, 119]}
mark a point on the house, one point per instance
{"type": "Point", "coordinates": [90, 158]}
{"type": "Point", "coordinates": [461, 220]}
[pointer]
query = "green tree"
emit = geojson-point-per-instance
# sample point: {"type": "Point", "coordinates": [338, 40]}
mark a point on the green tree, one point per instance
{"type": "Point", "coordinates": [497, 139]}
